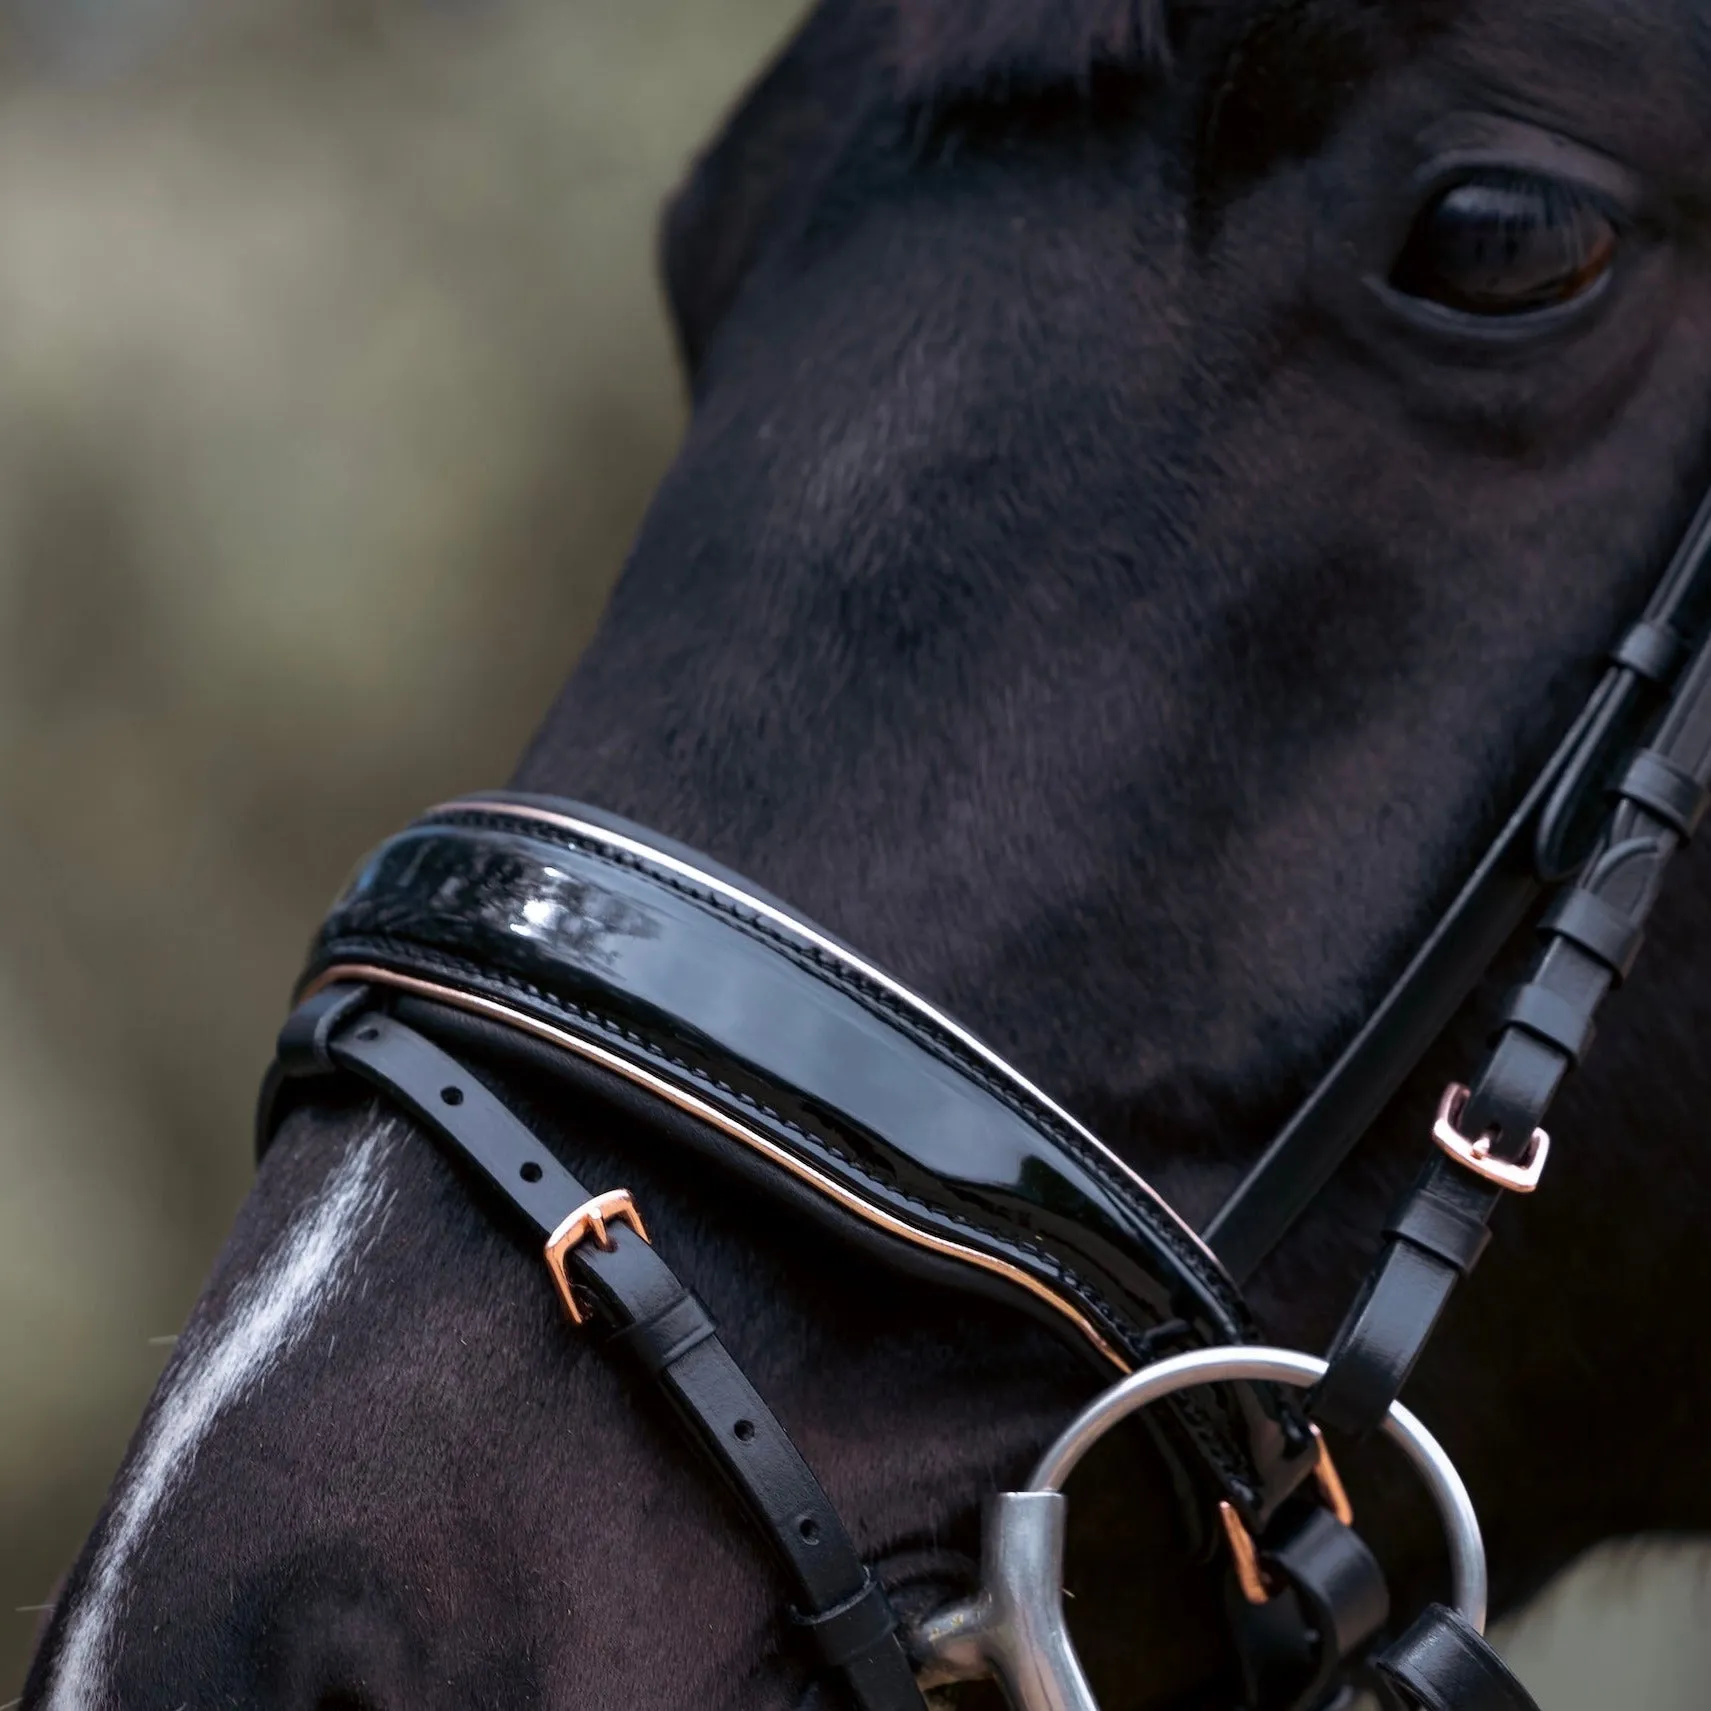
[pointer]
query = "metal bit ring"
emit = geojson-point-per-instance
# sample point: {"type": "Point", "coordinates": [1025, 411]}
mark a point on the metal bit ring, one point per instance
{"type": "Point", "coordinates": [1013, 1628]}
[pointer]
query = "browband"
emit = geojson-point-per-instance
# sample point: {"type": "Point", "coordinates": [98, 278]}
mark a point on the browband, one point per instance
{"type": "Point", "coordinates": [644, 968]}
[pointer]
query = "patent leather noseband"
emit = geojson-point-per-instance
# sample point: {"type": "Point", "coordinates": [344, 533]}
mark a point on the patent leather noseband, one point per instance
{"type": "Point", "coordinates": [507, 931]}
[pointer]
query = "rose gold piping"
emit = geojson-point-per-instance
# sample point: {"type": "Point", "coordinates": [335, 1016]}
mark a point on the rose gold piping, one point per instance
{"type": "Point", "coordinates": [707, 1113]}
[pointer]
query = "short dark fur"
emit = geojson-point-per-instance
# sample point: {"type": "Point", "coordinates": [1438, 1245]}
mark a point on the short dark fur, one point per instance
{"type": "Point", "coordinates": [1293, 69]}
{"type": "Point", "coordinates": [952, 50]}
{"type": "Point", "coordinates": [1129, 630]}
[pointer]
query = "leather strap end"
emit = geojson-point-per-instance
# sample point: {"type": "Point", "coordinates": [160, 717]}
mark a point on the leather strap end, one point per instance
{"type": "Point", "coordinates": [305, 1042]}
{"type": "Point", "coordinates": [1443, 1663]}
{"type": "Point", "coordinates": [1547, 1016]}
{"type": "Point", "coordinates": [304, 1050]}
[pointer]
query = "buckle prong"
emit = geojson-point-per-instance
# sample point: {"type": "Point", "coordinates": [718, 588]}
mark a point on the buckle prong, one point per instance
{"type": "Point", "coordinates": [1519, 1176]}
{"type": "Point", "coordinates": [1257, 1587]}
{"type": "Point", "coordinates": [589, 1219]}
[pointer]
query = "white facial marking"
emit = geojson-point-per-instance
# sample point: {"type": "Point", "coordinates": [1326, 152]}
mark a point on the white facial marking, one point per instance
{"type": "Point", "coordinates": [269, 1314]}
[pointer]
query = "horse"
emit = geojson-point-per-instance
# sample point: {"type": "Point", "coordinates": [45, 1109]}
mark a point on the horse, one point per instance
{"type": "Point", "coordinates": [1162, 477]}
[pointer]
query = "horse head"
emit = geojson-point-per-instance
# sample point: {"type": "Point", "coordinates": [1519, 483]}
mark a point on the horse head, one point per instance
{"type": "Point", "coordinates": [1161, 480]}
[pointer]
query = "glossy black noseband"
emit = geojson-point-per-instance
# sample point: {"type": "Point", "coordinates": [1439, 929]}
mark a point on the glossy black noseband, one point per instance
{"type": "Point", "coordinates": [502, 933]}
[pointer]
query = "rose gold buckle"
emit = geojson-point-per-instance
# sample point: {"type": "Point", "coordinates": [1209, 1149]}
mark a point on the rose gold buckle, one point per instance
{"type": "Point", "coordinates": [589, 1219]}
{"type": "Point", "coordinates": [1519, 1177]}
{"type": "Point", "coordinates": [1257, 1586]}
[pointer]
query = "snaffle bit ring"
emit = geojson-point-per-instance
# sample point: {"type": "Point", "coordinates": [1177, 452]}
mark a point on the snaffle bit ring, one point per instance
{"type": "Point", "coordinates": [1014, 1629]}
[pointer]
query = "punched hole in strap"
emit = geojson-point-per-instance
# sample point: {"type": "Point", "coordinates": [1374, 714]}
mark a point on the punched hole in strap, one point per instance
{"type": "Point", "coordinates": [1654, 782]}
{"type": "Point", "coordinates": [851, 1630]}
{"type": "Point", "coordinates": [1596, 927]}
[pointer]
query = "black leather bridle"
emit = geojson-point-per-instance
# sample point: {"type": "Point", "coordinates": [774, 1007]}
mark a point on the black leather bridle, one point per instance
{"type": "Point", "coordinates": [504, 933]}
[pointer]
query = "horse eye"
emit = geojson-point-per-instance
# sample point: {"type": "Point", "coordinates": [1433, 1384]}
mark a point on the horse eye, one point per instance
{"type": "Point", "coordinates": [1506, 243]}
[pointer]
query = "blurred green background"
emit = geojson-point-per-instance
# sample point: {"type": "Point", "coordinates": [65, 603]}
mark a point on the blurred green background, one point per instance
{"type": "Point", "coordinates": [333, 379]}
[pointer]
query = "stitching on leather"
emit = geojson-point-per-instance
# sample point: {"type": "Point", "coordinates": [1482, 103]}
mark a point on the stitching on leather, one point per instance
{"type": "Point", "coordinates": [918, 1027]}
{"type": "Point", "coordinates": [471, 974]}
{"type": "Point", "coordinates": [1205, 1431]}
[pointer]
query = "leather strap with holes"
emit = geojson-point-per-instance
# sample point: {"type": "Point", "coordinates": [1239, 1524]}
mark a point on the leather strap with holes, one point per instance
{"type": "Point", "coordinates": [1591, 932]}
{"type": "Point", "coordinates": [653, 1321]}
{"type": "Point", "coordinates": [1543, 844]}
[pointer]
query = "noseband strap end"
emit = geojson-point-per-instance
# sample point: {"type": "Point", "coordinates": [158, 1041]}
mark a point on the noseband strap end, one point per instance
{"type": "Point", "coordinates": [305, 1042]}
{"type": "Point", "coordinates": [304, 1051]}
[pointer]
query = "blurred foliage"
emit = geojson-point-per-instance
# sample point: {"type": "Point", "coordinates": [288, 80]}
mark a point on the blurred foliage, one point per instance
{"type": "Point", "coordinates": [333, 380]}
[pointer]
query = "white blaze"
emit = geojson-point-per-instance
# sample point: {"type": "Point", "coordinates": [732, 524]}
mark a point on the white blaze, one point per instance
{"type": "Point", "coordinates": [269, 1314]}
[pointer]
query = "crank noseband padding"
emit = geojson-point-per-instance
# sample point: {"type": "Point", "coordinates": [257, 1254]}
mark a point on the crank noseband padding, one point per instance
{"type": "Point", "coordinates": [629, 958]}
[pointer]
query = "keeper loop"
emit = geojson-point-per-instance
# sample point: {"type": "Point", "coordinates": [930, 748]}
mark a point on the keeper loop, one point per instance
{"type": "Point", "coordinates": [1655, 783]}
{"type": "Point", "coordinates": [1441, 1229]}
{"type": "Point", "coordinates": [1547, 1016]}
{"type": "Point", "coordinates": [1596, 927]}
{"type": "Point", "coordinates": [1649, 650]}
{"type": "Point", "coordinates": [847, 1631]}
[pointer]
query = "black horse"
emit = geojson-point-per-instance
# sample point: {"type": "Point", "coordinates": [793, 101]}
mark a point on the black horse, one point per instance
{"type": "Point", "coordinates": [1161, 479]}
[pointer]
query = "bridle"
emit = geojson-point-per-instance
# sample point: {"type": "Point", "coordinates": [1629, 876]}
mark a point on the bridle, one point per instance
{"type": "Point", "coordinates": [511, 933]}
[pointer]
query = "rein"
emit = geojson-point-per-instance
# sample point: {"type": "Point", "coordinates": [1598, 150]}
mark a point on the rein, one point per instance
{"type": "Point", "coordinates": [523, 931]}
